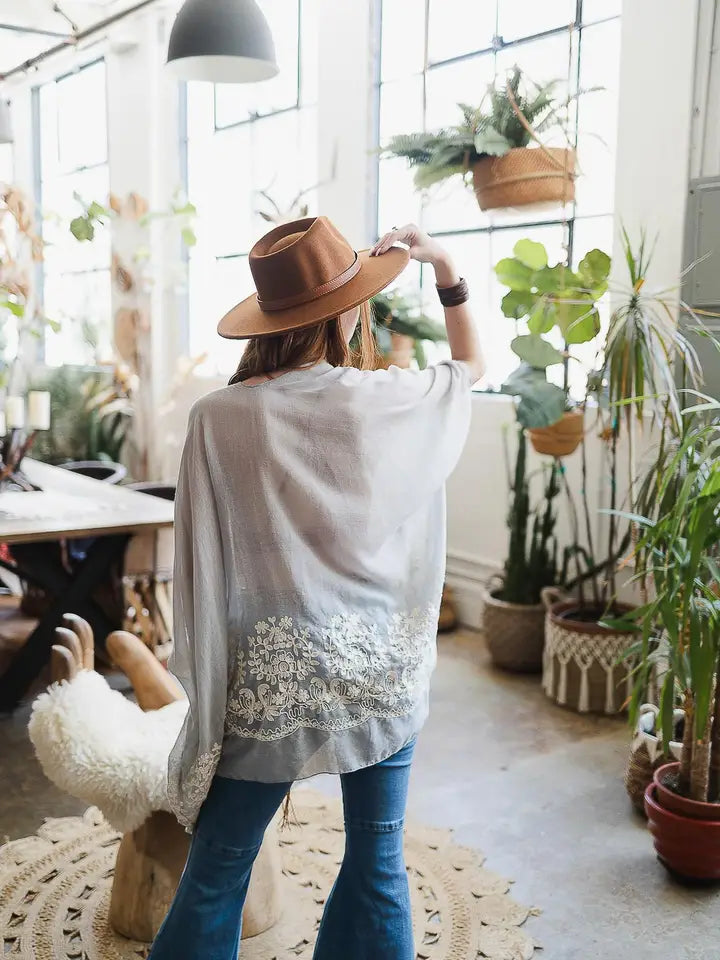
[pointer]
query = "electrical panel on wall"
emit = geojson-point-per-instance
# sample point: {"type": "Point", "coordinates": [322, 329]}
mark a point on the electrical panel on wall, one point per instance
{"type": "Point", "coordinates": [701, 286]}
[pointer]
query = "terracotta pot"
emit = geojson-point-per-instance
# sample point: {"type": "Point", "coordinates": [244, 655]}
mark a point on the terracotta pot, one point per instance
{"type": "Point", "coordinates": [581, 667]}
{"type": "Point", "coordinates": [525, 175]}
{"type": "Point", "coordinates": [560, 439]}
{"type": "Point", "coordinates": [515, 633]}
{"type": "Point", "coordinates": [683, 806]}
{"type": "Point", "coordinates": [688, 847]}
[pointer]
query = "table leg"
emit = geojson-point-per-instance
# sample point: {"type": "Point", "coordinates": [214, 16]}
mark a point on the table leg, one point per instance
{"type": "Point", "coordinates": [74, 596]}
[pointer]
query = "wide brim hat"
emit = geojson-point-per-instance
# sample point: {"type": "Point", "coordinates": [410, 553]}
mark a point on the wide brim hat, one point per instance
{"type": "Point", "coordinates": [306, 272]}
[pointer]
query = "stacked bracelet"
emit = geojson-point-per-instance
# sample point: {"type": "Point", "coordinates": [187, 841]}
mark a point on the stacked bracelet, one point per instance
{"type": "Point", "coordinates": [455, 295]}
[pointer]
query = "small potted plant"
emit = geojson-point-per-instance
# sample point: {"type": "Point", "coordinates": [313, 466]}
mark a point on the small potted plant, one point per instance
{"type": "Point", "coordinates": [492, 143]}
{"type": "Point", "coordinates": [544, 298]}
{"type": "Point", "coordinates": [402, 329]}
{"type": "Point", "coordinates": [679, 552]}
{"type": "Point", "coordinates": [514, 615]}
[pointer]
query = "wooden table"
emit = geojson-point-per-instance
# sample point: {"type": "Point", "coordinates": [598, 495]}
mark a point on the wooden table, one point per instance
{"type": "Point", "coordinates": [69, 506]}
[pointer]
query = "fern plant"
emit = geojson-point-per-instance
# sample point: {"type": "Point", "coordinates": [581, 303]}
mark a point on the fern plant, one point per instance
{"type": "Point", "coordinates": [490, 129]}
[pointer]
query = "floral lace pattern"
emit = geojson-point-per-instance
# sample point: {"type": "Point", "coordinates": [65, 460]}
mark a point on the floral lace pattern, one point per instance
{"type": "Point", "coordinates": [289, 676]}
{"type": "Point", "coordinates": [196, 786]}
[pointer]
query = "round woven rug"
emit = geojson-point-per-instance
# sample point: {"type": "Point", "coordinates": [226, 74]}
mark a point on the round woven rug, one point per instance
{"type": "Point", "coordinates": [55, 892]}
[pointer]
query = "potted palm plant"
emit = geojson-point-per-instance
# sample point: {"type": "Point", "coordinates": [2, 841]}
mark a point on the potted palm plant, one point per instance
{"type": "Point", "coordinates": [679, 553]}
{"type": "Point", "coordinates": [492, 144]}
{"type": "Point", "coordinates": [586, 634]}
{"type": "Point", "coordinates": [513, 616]}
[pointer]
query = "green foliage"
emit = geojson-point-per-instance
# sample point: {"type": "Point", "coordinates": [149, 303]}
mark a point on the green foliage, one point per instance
{"type": "Point", "coordinates": [83, 227]}
{"type": "Point", "coordinates": [540, 403]}
{"type": "Point", "coordinates": [531, 562]}
{"type": "Point", "coordinates": [394, 312]}
{"type": "Point", "coordinates": [89, 419]}
{"type": "Point", "coordinates": [678, 552]}
{"type": "Point", "coordinates": [490, 129]}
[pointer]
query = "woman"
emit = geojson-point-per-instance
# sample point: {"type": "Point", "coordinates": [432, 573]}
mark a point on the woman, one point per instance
{"type": "Point", "coordinates": [309, 564]}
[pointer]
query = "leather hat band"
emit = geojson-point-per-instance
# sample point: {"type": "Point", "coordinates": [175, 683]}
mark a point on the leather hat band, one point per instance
{"type": "Point", "coordinates": [269, 306]}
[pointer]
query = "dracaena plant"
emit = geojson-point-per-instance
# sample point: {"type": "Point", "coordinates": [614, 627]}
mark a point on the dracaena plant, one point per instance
{"type": "Point", "coordinates": [678, 552]}
{"type": "Point", "coordinates": [548, 300]}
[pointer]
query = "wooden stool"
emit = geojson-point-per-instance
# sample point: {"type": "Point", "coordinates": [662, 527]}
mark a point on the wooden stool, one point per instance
{"type": "Point", "coordinates": [150, 859]}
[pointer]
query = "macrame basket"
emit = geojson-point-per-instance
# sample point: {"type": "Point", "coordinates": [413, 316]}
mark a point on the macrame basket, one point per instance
{"type": "Point", "coordinates": [559, 439]}
{"type": "Point", "coordinates": [646, 755]}
{"type": "Point", "coordinates": [514, 633]}
{"type": "Point", "coordinates": [581, 668]}
{"type": "Point", "coordinates": [525, 175]}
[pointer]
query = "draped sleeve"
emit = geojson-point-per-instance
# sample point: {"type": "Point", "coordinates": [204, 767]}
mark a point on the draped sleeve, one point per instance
{"type": "Point", "coordinates": [416, 425]}
{"type": "Point", "coordinates": [200, 650]}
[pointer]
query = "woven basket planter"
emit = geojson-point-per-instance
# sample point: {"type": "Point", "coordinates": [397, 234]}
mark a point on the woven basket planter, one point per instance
{"type": "Point", "coordinates": [525, 175]}
{"type": "Point", "coordinates": [559, 439]}
{"type": "Point", "coordinates": [646, 756]}
{"type": "Point", "coordinates": [514, 632]}
{"type": "Point", "coordinates": [580, 661]}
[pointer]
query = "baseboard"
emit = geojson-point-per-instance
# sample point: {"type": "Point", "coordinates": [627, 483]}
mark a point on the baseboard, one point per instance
{"type": "Point", "coordinates": [466, 574]}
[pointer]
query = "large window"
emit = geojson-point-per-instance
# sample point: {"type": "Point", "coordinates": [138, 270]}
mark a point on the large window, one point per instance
{"type": "Point", "coordinates": [437, 54]}
{"type": "Point", "coordinates": [251, 150]}
{"type": "Point", "coordinates": [71, 137]}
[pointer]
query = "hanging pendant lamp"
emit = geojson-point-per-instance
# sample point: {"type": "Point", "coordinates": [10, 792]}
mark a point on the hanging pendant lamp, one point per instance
{"type": "Point", "coordinates": [222, 41]}
{"type": "Point", "coordinates": [6, 131]}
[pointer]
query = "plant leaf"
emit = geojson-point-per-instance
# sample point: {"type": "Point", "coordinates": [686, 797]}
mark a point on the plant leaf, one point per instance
{"type": "Point", "coordinates": [536, 351]}
{"type": "Point", "coordinates": [514, 274]}
{"type": "Point", "coordinates": [531, 253]}
{"type": "Point", "coordinates": [517, 303]}
{"type": "Point", "coordinates": [541, 403]}
{"type": "Point", "coordinates": [490, 141]}
{"type": "Point", "coordinates": [594, 268]}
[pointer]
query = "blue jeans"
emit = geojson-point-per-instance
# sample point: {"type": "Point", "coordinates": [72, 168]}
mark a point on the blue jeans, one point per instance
{"type": "Point", "coordinates": [367, 914]}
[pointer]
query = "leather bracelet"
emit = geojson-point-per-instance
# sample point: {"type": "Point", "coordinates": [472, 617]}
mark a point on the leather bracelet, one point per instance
{"type": "Point", "coordinates": [454, 296]}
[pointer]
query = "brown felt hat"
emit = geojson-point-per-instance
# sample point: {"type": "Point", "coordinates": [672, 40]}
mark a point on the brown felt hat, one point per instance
{"type": "Point", "coordinates": [306, 272]}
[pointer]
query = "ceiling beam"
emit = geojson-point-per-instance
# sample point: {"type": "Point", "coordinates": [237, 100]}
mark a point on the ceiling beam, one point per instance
{"type": "Point", "coordinates": [16, 28]}
{"type": "Point", "coordinates": [75, 39]}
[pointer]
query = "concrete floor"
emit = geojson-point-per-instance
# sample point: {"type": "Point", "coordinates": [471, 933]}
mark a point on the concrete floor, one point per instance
{"type": "Point", "coordinates": [538, 789]}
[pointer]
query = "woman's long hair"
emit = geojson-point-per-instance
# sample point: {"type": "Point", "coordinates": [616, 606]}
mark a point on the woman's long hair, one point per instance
{"type": "Point", "coordinates": [302, 348]}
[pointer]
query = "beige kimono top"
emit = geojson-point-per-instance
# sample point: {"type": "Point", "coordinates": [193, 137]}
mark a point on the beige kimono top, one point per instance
{"type": "Point", "coordinates": [309, 562]}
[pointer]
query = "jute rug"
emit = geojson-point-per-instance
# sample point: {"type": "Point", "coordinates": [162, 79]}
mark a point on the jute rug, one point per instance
{"type": "Point", "coordinates": [55, 891]}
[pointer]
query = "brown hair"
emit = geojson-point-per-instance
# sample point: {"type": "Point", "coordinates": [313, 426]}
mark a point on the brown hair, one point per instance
{"type": "Point", "coordinates": [301, 348]}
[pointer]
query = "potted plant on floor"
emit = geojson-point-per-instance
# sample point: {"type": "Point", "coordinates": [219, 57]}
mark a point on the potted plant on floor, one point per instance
{"type": "Point", "coordinates": [513, 618]}
{"type": "Point", "coordinates": [679, 552]}
{"type": "Point", "coordinates": [643, 351]}
{"type": "Point", "coordinates": [493, 143]}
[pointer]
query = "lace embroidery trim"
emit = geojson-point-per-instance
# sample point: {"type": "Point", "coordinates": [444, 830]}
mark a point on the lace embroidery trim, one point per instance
{"type": "Point", "coordinates": [288, 676]}
{"type": "Point", "coordinates": [195, 787]}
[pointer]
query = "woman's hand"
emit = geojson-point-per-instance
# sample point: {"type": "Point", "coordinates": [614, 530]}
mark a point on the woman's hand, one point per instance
{"type": "Point", "coordinates": [422, 248]}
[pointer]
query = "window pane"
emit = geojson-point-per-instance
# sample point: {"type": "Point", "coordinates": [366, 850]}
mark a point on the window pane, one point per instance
{"type": "Point", "coordinates": [451, 205]}
{"type": "Point", "coordinates": [309, 52]}
{"type": "Point", "coordinates": [59, 207]}
{"type": "Point", "coordinates": [238, 101]}
{"type": "Point", "coordinates": [6, 162]}
{"type": "Point", "coordinates": [403, 39]}
{"type": "Point", "coordinates": [81, 118]}
{"type": "Point", "coordinates": [215, 287]}
{"type": "Point", "coordinates": [600, 9]}
{"type": "Point", "coordinates": [400, 107]}
{"type": "Point", "coordinates": [464, 82]}
{"type": "Point", "coordinates": [81, 303]}
{"type": "Point", "coordinates": [398, 200]}
{"type": "Point", "coordinates": [542, 61]}
{"type": "Point", "coordinates": [457, 27]}
{"type": "Point", "coordinates": [518, 18]}
{"type": "Point", "coordinates": [597, 118]}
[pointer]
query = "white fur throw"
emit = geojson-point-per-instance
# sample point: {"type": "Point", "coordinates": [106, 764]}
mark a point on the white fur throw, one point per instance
{"type": "Point", "coordinates": [97, 745]}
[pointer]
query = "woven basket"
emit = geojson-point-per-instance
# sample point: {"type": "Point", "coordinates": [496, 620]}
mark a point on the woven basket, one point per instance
{"type": "Point", "coordinates": [646, 755]}
{"type": "Point", "coordinates": [514, 633]}
{"type": "Point", "coordinates": [525, 175]}
{"type": "Point", "coordinates": [559, 439]}
{"type": "Point", "coordinates": [580, 661]}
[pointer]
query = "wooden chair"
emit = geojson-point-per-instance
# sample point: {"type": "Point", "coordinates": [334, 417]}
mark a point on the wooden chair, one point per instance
{"type": "Point", "coordinates": [151, 858]}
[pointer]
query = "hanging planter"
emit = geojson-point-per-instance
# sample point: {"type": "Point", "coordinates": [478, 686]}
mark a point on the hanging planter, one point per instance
{"type": "Point", "coordinates": [561, 438]}
{"type": "Point", "coordinates": [523, 176]}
